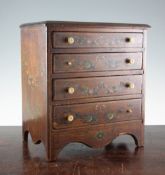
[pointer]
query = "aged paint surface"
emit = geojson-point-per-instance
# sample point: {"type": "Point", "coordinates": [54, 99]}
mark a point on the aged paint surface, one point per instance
{"type": "Point", "coordinates": [101, 40]}
{"type": "Point", "coordinates": [33, 77]}
{"type": "Point", "coordinates": [100, 135]}
{"type": "Point", "coordinates": [100, 111]}
{"type": "Point", "coordinates": [87, 64]}
{"type": "Point", "coordinates": [97, 40]}
{"type": "Point", "coordinates": [100, 87]}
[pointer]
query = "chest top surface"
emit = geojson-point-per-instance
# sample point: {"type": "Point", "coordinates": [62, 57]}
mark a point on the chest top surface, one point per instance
{"type": "Point", "coordinates": [88, 24]}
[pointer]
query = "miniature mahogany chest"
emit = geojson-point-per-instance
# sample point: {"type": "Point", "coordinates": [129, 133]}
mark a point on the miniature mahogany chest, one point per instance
{"type": "Point", "coordinates": [82, 82]}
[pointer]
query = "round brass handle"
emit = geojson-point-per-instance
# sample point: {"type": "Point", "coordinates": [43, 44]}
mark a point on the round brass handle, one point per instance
{"type": "Point", "coordinates": [130, 85]}
{"type": "Point", "coordinates": [69, 63]}
{"type": "Point", "coordinates": [129, 40]}
{"type": "Point", "coordinates": [129, 111]}
{"type": "Point", "coordinates": [130, 61]}
{"type": "Point", "coordinates": [70, 118]}
{"type": "Point", "coordinates": [71, 90]}
{"type": "Point", "coordinates": [70, 40]}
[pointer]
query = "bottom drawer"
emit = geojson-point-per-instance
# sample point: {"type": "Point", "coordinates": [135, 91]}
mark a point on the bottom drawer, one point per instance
{"type": "Point", "coordinates": [69, 116]}
{"type": "Point", "coordinates": [100, 135]}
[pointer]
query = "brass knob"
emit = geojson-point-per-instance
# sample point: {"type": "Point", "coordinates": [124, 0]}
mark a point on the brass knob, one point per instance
{"type": "Point", "coordinates": [129, 40]}
{"type": "Point", "coordinates": [70, 40]}
{"type": "Point", "coordinates": [71, 90]}
{"type": "Point", "coordinates": [129, 111]}
{"type": "Point", "coordinates": [69, 63]}
{"type": "Point", "coordinates": [70, 118]}
{"type": "Point", "coordinates": [130, 85]}
{"type": "Point", "coordinates": [130, 61]}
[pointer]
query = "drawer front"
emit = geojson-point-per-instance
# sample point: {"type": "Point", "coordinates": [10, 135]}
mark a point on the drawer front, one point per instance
{"type": "Point", "coordinates": [92, 40]}
{"type": "Point", "coordinates": [96, 113]}
{"type": "Point", "coordinates": [96, 62]}
{"type": "Point", "coordinates": [96, 87]}
{"type": "Point", "coordinates": [99, 135]}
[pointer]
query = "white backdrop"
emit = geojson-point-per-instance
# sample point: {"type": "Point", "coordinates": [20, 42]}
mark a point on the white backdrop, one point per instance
{"type": "Point", "coordinates": [15, 12]}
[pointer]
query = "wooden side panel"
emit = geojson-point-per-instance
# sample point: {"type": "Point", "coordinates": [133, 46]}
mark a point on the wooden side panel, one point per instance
{"type": "Point", "coordinates": [34, 82]}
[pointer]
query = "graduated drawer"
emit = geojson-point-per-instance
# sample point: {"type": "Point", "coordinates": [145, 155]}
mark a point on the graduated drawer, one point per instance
{"type": "Point", "coordinates": [96, 62]}
{"type": "Point", "coordinates": [96, 87]}
{"type": "Point", "coordinates": [96, 113]}
{"type": "Point", "coordinates": [98, 136]}
{"type": "Point", "coordinates": [92, 40]}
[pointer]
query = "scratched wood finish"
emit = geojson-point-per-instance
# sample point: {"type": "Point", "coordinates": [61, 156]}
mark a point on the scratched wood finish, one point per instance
{"type": "Point", "coordinates": [45, 48]}
{"type": "Point", "coordinates": [96, 113]}
{"type": "Point", "coordinates": [34, 86]}
{"type": "Point", "coordinates": [92, 40]}
{"type": "Point", "coordinates": [96, 74]}
{"type": "Point", "coordinates": [122, 156]}
{"type": "Point", "coordinates": [97, 136]}
{"type": "Point", "coordinates": [96, 62]}
{"type": "Point", "coordinates": [94, 99]}
{"type": "Point", "coordinates": [96, 87]}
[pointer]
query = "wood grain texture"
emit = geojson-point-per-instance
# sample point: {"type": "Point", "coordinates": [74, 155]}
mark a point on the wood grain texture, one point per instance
{"type": "Point", "coordinates": [63, 63]}
{"type": "Point", "coordinates": [96, 113]}
{"type": "Point", "coordinates": [120, 157]}
{"type": "Point", "coordinates": [94, 99]}
{"type": "Point", "coordinates": [97, 136]}
{"type": "Point", "coordinates": [96, 87]}
{"type": "Point", "coordinates": [34, 83]}
{"type": "Point", "coordinates": [96, 74]}
{"type": "Point", "coordinates": [99, 75]}
{"type": "Point", "coordinates": [95, 40]}
{"type": "Point", "coordinates": [64, 24]}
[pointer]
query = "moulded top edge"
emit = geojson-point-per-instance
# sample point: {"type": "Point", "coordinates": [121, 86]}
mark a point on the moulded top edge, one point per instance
{"type": "Point", "coordinates": [88, 24]}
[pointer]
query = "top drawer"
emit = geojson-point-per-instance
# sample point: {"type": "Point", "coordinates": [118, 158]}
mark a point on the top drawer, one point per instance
{"type": "Point", "coordinates": [94, 40]}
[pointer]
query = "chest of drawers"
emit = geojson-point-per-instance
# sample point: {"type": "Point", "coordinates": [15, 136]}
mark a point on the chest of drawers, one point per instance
{"type": "Point", "coordinates": [82, 82]}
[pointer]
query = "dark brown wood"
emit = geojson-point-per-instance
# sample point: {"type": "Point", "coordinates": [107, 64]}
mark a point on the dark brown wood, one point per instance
{"type": "Point", "coordinates": [96, 74]}
{"type": "Point", "coordinates": [96, 62]}
{"type": "Point", "coordinates": [34, 84]}
{"type": "Point", "coordinates": [100, 73]}
{"type": "Point", "coordinates": [96, 87]}
{"type": "Point", "coordinates": [96, 113]}
{"type": "Point", "coordinates": [97, 50]}
{"type": "Point", "coordinates": [95, 40]}
{"type": "Point", "coordinates": [97, 136]}
{"type": "Point", "coordinates": [120, 157]}
{"type": "Point", "coordinates": [94, 99]}
{"type": "Point", "coordinates": [64, 24]}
